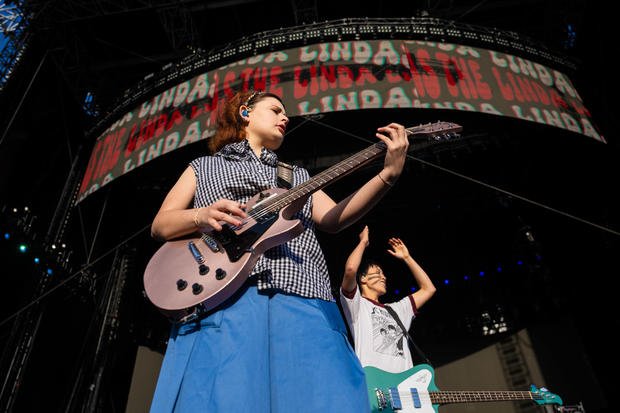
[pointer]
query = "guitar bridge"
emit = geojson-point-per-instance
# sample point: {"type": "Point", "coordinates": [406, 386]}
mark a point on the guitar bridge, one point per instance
{"type": "Point", "coordinates": [196, 252]}
{"type": "Point", "coordinates": [210, 242]}
{"type": "Point", "coordinates": [381, 399]}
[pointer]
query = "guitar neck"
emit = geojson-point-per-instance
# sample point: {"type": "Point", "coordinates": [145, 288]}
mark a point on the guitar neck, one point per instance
{"type": "Point", "coordinates": [445, 397]}
{"type": "Point", "coordinates": [352, 163]}
{"type": "Point", "coordinates": [326, 177]}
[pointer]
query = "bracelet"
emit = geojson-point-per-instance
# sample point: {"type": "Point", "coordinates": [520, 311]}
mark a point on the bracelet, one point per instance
{"type": "Point", "coordinates": [384, 181]}
{"type": "Point", "coordinates": [196, 217]}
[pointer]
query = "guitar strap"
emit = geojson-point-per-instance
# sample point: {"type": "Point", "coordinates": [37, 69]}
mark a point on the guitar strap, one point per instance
{"type": "Point", "coordinates": [406, 333]}
{"type": "Point", "coordinates": [285, 175]}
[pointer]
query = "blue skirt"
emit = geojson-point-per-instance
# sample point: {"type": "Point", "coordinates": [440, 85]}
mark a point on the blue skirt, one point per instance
{"type": "Point", "coordinates": [262, 353]}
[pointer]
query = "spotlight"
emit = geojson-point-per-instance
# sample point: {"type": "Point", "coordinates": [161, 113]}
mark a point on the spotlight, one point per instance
{"type": "Point", "coordinates": [7, 235]}
{"type": "Point", "coordinates": [23, 247]}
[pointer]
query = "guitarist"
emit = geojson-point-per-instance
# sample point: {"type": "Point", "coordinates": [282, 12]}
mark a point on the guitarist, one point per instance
{"type": "Point", "coordinates": [278, 344]}
{"type": "Point", "coordinates": [378, 339]}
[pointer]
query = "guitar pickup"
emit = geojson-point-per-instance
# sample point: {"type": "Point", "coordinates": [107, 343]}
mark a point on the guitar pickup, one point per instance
{"type": "Point", "coordinates": [416, 398]}
{"type": "Point", "coordinates": [395, 399]}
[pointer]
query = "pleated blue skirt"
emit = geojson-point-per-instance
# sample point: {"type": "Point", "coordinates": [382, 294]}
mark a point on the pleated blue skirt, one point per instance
{"type": "Point", "coordinates": [262, 353]}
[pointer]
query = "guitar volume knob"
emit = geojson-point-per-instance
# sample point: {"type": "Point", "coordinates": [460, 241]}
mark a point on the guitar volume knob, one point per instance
{"type": "Point", "coordinates": [196, 288]}
{"type": "Point", "coordinates": [203, 269]}
{"type": "Point", "coordinates": [220, 274]}
{"type": "Point", "coordinates": [181, 284]}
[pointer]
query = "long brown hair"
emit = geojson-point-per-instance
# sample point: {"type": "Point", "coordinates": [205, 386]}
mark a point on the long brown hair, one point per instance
{"type": "Point", "coordinates": [230, 125]}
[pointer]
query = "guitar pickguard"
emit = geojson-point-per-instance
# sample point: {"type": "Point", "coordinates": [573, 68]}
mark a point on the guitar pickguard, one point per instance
{"type": "Point", "coordinates": [419, 381]}
{"type": "Point", "coordinates": [236, 245]}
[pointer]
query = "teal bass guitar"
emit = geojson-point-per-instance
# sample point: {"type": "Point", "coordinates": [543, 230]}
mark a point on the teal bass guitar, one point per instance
{"type": "Point", "coordinates": [414, 391]}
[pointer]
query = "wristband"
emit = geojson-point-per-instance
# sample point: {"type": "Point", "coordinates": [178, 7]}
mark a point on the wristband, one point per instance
{"type": "Point", "coordinates": [384, 181]}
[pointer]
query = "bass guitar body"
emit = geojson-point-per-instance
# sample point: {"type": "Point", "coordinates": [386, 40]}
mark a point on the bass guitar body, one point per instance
{"type": "Point", "coordinates": [414, 391]}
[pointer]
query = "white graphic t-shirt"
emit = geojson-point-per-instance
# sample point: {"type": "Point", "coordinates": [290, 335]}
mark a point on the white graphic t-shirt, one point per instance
{"type": "Point", "coordinates": [379, 341]}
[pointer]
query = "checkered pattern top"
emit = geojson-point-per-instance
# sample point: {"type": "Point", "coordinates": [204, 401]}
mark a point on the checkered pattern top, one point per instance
{"type": "Point", "coordinates": [235, 172]}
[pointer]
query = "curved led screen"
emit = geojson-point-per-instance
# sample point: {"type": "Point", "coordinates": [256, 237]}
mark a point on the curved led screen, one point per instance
{"type": "Point", "coordinates": [340, 76]}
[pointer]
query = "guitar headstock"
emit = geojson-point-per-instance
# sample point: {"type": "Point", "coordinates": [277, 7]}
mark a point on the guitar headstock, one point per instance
{"type": "Point", "coordinates": [542, 396]}
{"type": "Point", "coordinates": [438, 131]}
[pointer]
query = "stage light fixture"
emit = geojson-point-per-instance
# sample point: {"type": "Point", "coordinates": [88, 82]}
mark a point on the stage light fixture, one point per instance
{"type": "Point", "coordinates": [7, 235]}
{"type": "Point", "coordinates": [23, 248]}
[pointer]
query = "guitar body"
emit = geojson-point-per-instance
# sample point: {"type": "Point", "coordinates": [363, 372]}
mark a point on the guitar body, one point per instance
{"type": "Point", "coordinates": [175, 281]}
{"type": "Point", "coordinates": [421, 377]}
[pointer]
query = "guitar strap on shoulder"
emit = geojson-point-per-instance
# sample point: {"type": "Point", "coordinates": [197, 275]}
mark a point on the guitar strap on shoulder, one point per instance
{"type": "Point", "coordinates": [285, 175]}
{"type": "Point", "coordinates": [406, 333]}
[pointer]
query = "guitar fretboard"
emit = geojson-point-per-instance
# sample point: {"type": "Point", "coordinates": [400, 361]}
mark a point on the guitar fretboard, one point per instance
{"type": "Point", "coordinates": [326, 177]}
{"type": "Point", "coordinates": [442, 397]}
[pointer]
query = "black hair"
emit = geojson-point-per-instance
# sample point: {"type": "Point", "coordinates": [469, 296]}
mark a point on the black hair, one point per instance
{"type": "Point", "coordinates": [362, 270]}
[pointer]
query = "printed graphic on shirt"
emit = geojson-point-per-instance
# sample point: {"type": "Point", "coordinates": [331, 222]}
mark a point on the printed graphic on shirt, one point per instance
{"type": "Point", "coordinates": [388, 338]}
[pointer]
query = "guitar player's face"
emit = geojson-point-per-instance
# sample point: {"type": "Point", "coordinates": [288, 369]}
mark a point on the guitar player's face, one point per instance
{"type": "Point", "coordinates": [375, 280]}
{"type": "Point", "coordinates": [267, 122]}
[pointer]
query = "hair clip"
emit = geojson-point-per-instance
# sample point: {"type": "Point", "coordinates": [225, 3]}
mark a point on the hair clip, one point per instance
{"type": "Point", "coordinates": [252, 96]}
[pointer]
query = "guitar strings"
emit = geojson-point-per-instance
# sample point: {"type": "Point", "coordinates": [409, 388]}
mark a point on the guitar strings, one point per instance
{"type": "Point", "coordinates": [484, 184]}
